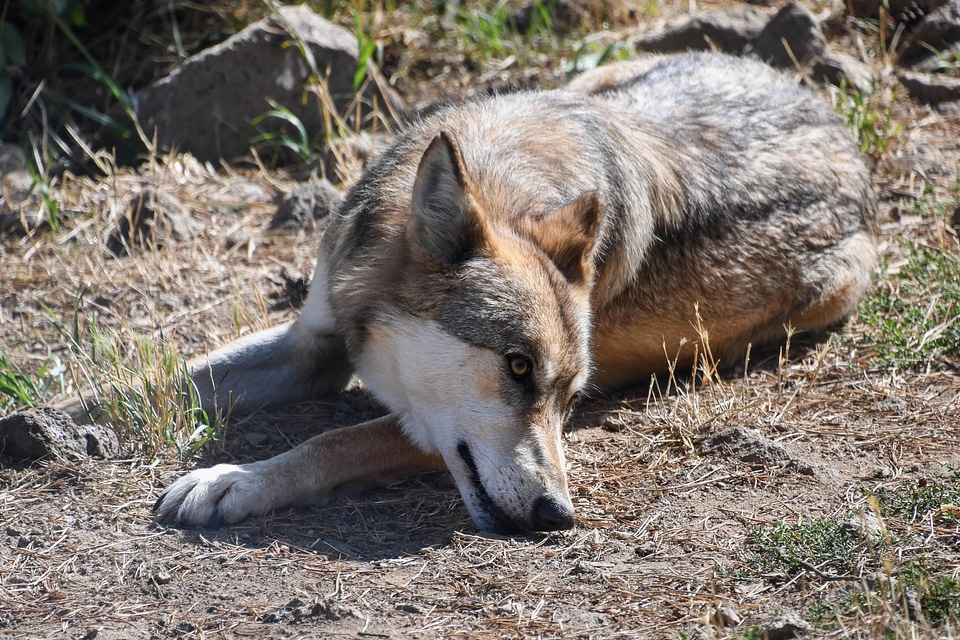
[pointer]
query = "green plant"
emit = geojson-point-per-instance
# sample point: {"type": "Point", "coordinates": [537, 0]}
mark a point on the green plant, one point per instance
{"type": "Point", "coordinates": [824, 546]}
{"type": "Point", "coordinates": [291, 135]}
{"type": "Point", "coordinates": [489, 30]}
{"type": "Point", "coordinates": [868, 117]}
{"type": "Point", "coordinates": [917, 501]}
{"type": "Point", "coordinates": [19, 390]}
{"type": "Point", "coordinates": [145, 392]}
{"type": "Point", "coordinates": [367, 46]}
{"type": "Point", "coordinates": [913, 319]}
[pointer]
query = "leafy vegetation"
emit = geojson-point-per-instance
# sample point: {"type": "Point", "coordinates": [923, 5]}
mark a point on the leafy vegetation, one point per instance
{"type": "Point", "coordinates": [898, 574]}
{"type": "Point", "coordinates": [869, 117]}
{"type": "Point", "coordinates": [20, 390]}
{"type": "Point", "coordinates": [145, 391]}
{"type": "Point", "coordinates": [913, 318]}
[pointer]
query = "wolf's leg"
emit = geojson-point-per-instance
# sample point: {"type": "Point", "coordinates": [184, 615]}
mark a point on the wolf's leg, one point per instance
{"type": "Point", "coordinates": [282, 364]}
{"type": "Point", "coordinates": [372, 452]}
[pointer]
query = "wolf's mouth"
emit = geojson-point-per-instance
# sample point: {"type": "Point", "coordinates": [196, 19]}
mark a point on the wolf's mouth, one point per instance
{"type": "Point", "coordinates": [502, 522]}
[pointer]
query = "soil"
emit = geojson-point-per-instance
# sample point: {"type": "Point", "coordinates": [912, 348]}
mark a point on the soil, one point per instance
{"type": "Point", "coordinates": [668, 485]}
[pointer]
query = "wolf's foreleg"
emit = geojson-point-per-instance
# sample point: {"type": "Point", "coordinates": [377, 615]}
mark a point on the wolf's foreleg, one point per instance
{"type": "Point", "coordinates": [371, 452]}
{"type": "Point", "coordinates": [278, 365]}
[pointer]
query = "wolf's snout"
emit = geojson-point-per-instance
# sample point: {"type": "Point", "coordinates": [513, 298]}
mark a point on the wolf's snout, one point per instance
{"type": "Point", "coordinates": [550, 514]}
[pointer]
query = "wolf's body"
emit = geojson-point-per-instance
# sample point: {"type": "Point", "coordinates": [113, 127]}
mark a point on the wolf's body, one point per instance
{"type": "Point", "coordinates": [508, 250]}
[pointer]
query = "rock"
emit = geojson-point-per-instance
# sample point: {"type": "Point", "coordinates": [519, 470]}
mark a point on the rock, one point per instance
{"type": "Point", "coordinates": [729, 31]}
{"type": "Point", "coordinates": [15, 186]}
{"type": "Point", "coordinates": [937, 31]}
{"type": "Point", "coordinates": [796, 26]}
{"type": "Point", "coordinates": [723, 616]}
{"type": "Point", "coordinates": [955, 219]}
{"type": "Point", "coordinates": [307, 205]}
{"type": "Point", "coordinates": [42, 432]}
{"type": "Point", "coordinates": [905, 11]}
{"type": "Point", "coordinates": [152, 220]}
{"type": "Point", "coordinates": [206, 105]}
{"type": "Point", "coordinates": [296, 610]}
{"type": "Point", "coordinates": [788, 625]}
{"type": "Point", "coordinates": [748, 445]}
{"type": "Point", "coordinates": [930, 88]}
{"type": "Point", "coordinates": [588, 620]}
{"type": "Point", "coordinates": [295, 287]}
{"type": "Point", "coordinates": [836, 66]}
{"type": "Point", "coordinates": [865, 524]}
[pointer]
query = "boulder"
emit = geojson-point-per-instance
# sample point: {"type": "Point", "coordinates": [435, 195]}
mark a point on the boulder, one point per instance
{"type": "Point", "coordinates": [42, 432]}
{"type": "Point", "coordinates": [937, 32]}
{"type": "Point", "coordinates": [206, 106]}
{"type": "Point", "coordinates": [930, 87]}
{"type": "Point", "coordinates": [792, 36]}
{"type": "Point", "coordinates": [729, 31]}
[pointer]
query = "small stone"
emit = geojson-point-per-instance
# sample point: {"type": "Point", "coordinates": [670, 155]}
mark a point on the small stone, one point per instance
{"type": "Point", "coordinates": [724, 616]}
{"type": "Point", "coordinates": [929, 87]}
{"type": "Point", "coordinates": [589, 620]}
{"type": "Point", "coordinates": [748, 445]}
{"type": "Point", "coordinates": [788, 625]}
{"type": "Point", "coordinates": [152, 220]}
{"type": "Point", "coordinates": [161, 577]}
{"type": "Point", "coordinates": [835, 67]}
{"type": "Point", "coordinates": [792, 36]}
{"type": "Point", "coordinates": [205, 106]}
{"type": "Point", "coordinates": [306, 206]}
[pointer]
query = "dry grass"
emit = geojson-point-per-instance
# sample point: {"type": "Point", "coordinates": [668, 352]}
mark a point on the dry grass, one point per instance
{"type": "Point", "coordinates": [664, 545]}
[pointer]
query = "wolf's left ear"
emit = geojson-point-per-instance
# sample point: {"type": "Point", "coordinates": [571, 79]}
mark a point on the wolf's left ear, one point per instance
{"type": "Point", "coordinates": [444, 223]}
{"type": "Point", "coordinates": [569, 236]}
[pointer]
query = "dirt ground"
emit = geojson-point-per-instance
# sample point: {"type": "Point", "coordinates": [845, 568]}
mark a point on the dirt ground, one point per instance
{"type": "Point", "coordinates": [662, 546]}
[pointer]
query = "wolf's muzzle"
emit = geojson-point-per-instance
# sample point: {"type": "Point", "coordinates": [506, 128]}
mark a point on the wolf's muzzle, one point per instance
{"type": "Point", "coordinates": [548, 514]}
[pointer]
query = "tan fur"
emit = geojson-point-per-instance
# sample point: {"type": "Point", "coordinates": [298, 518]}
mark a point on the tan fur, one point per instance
{"type": "Point", "coordinates": [591, 234]}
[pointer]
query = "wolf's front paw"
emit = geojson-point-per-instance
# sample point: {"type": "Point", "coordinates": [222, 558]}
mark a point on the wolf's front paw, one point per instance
{"type": "Point", "coordinates": [224, 494]}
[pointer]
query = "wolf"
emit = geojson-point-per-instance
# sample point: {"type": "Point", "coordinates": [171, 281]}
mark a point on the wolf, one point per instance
{"type": "Point", "coordinates": [509, 252]}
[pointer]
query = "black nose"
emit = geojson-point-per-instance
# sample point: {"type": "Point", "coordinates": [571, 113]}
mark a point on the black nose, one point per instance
{"type": "Point", "coordinates": [549, 514]}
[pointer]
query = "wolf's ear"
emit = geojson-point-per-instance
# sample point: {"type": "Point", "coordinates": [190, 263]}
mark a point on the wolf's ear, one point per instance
{"type": "Point", "coordinates": [569, 236]}
{"type": "Point", "coordinates": [444, 223]}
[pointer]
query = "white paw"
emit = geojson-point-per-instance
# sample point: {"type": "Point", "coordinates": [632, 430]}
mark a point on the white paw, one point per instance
{"type": "Point", "coordinates": [224, 494]}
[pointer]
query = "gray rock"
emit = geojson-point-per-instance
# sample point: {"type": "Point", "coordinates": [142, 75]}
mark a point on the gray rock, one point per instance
{"type": "Point", "coordinates": [938, 31]}
{"type": "Point", "coordinates": [906, 11]}
{"type": "Point", "coordinates": [930, 88]}
{"type": "Point", "coordinates": [799, 29]}
{"type": "Point", "coordinates": [42, 432]}
{"type": "Point", "coordinates": [589, 620]}
{"type": "Point", "coordinates": [836, 66]}
{"type": "Point", "coordinates": [152, 220]}
{"type": "Point", "coordinates": [725, 616]}
{"type": "Point", "coordinates": [306, 206]}
{"type": "Point", "coordinates": [729, 31]}
{"type": "Point", "coordinates": [748, 445]}
{"type": "Point", "coordinates": [788, 625]}
{"type": "Point", "coordinates": [207, 104]}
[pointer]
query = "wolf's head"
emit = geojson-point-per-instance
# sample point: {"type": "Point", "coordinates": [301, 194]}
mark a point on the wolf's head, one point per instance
{"type": "Point", "coordinates": [487, 346]}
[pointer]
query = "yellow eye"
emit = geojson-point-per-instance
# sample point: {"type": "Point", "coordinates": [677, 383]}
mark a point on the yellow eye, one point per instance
{"type": "Point", "coordinates": [519, 365]}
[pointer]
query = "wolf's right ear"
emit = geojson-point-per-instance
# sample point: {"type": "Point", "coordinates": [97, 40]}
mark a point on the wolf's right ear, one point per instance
{"type": "Point", "coordinates": [445, 223]}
